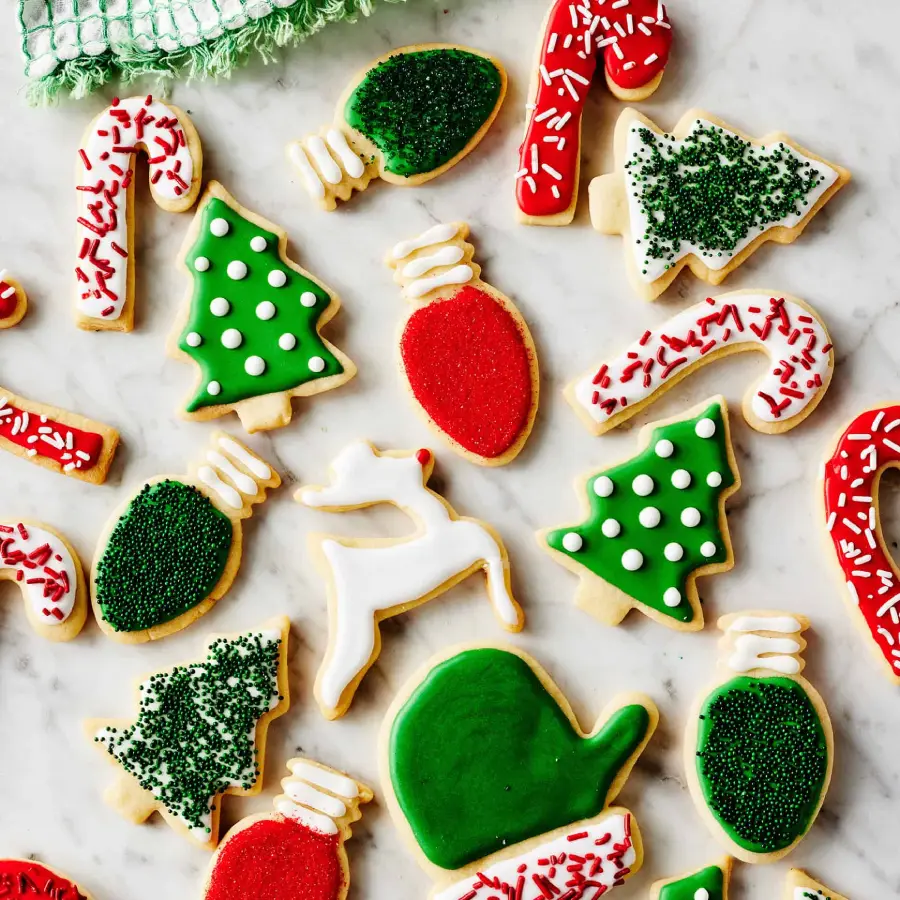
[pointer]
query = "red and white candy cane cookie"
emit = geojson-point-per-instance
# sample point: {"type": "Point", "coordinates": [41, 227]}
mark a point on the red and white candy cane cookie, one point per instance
{"type": "Point", "coordinates": [851, 477]}
{"type": "Point", "coordinates": [104, 267]}
{"type": "Point", "coordinates": [785, 328]}
{"type": "Point", "coordinates": [634, 37]}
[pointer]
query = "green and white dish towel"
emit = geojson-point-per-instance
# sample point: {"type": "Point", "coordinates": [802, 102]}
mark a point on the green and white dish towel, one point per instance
{"type": "Point", "coordinates": [78, 45]}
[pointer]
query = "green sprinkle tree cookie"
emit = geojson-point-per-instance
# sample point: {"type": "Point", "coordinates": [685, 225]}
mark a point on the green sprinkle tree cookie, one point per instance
{"type": "Point", "coordinates": [200, 732]}
{"type": "Point", "coordinates": [253, 319]}
{"type": "Point", "coordinates": [708, 883]}
{"type": "Point", "coordinates": [655, 523]}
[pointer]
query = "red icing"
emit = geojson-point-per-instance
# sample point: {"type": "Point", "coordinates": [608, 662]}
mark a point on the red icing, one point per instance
{"type": "Point", "coordinates": [469, 367]}
{"type": "Point", "coordinates": [569, 71]}
{"type": "Point", "coordinates": [866, 448]}
{"type": "Point", "coordinates": [22, 878]}
{"type": "Point", "coordinates": [9, 300]}
{"type": "Point", "coordinates": [277, 859]}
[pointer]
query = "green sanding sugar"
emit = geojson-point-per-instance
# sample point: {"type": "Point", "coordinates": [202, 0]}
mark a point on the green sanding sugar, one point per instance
{"type": "Point", "coordinates": [164, 556]}
{"type": "Point", "coordinates": [421, 109]}
{"type": "Point", "coordinates": [195, 735]}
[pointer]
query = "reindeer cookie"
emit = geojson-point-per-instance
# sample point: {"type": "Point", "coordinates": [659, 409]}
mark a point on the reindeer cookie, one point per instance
{"type": "Point", "coordinates": [490, 779]}
{"type": "Point", "coordinates": [104, 268]}
{"type": "Point", "coordinates": [704, 196]}
{"type": "Point", "coordinates": [174, 547]}
{"type": "Point", "coordinates": [799, 886]}
{"type": "Point", "coordinates": [35, 881]}
{"type": "Point", "coordinates": [408, 117]}
{"type": "Point", "coordinates": [374, 579]}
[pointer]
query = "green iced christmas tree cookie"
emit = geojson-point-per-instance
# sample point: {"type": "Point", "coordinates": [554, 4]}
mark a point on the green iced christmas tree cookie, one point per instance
{"type": "Point", "coordinates": [709, 883]}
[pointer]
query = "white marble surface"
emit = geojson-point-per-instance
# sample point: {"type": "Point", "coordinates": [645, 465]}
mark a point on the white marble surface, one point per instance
{"type": "Point", "coordinates": [822, 72]}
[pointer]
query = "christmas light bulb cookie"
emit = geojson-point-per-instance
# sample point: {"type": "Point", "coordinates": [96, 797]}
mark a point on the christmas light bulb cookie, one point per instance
{"type": "Point", "coordinates": [655, 523]}
{"type": "Point", "coordinates": [704, 196]}
{"type": "Point", "coordinates": [252, 321]}
{"type": "Point", "coordinates": [466, 352]}
{"type": "Point", "coordinates": [708, 883]}
{"type": "Point", "coordinates": [48, 573]}
{"type": "Point", "coordinates": [408, 117]}
{"type": "Point", "coordinates": [35, 881]}
{"type": "Point", "coordinates": [633, 39]}
{"type": "Point", "coordinates": [490, 779]}
{"type": "Point", "coordinates": [799, 886]}
{"type": "Point", "coordinates": [200, 732]}
{"type": "Point", "coordinates": [787, 330]}
{"type": "Point", "coordinates": [759, 745]}
{"type": "Point", "coordinates": [297, 851]}
{"type": "Point", "coordinates": [174, 547]}
{"type": "Point", "coordinates": [104, 267]}
{"type": "Point", "coordinates": [377, 578]}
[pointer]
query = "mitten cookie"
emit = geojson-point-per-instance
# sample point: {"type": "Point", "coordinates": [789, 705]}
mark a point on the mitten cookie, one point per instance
{"type": "Point", "coordinates": [104, 268]}
{"type": "Point", "coordinates": [252, 320]}
{"type": "Point", "coordinates": [35, 881]}
{"type": "Point", "coordinates": [488, 775]}
{"type": "Point", "coordinates": [377, 578]}
{"type": "Point", "coordinates": [759, 746]}
{"type": "Point", "coordinates": [633, 38]}
{"type": "Point", "coordinates": [174, 547]}
{"type": "Point", "coordinates": [200, 732]}
{"type": "Point", "coordinates": [655, 523]}
{"type": "Point", "coordinates": [407, 117]}
{"type": "Point", "coordinates": [790, 333]}
{"type": "Point", "coordinates": [708, 883]}
{"type": "Point", "coordinates": [465, 350]}
{"type": "Point", "coordinates": [705, 196]}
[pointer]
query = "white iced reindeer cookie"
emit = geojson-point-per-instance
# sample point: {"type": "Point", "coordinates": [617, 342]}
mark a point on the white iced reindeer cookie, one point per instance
{"type": "Point", "coordinates": [374, 579]}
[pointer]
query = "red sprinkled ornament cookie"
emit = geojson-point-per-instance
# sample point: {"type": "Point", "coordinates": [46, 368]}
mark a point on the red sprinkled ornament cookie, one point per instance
{"type": "Point", "coordinates": [868, 447]}
{"type": "Point", "coordinates": [35, 881]}
{"type": "Point", "coordinates": [297, 851]}
{"type": "Point", "coordinates": [633, 38]}
{"type": "Point", "coordinates": [787, 330]}
{"type": "Point", "coordinates": [104, 267]}
{"type": "Point", "coordinates": [465, 350]}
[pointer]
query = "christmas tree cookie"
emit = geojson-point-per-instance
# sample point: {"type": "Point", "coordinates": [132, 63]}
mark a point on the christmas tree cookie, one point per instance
{"type": "Point", "coordinates": [759, 745]}
{"type": "Point", "coordinates": [35, 881]}
{"type": "Point", "coordinates": [708, 883]}
{"type": "Point", "coordinates": [490, 778]}
{"type": "Point", "coordinates": [200, 732]}
{"type": "Point", "coordinates": [799, 886]}
{"type": "Point", "coordinates": [407, 117]}
{"type": "Point", "coordinates": [633, 39]}
{"type": "Point", "coordinates": [174, 547]}
{"type": "Point", "coordinates": [465, 350]}
{"type": "Point", "coordinates": [297, 851]}
{"type": "Point", "coordinates": [655, 523]}
{"type": "Point", "coordinates": [790, 333]}
{"type": "Point", "coordinates": [252, 321]}
{"type": "Point", "coordinates": [705, 196]}
{"type": "Point", "coordinates": [104, 266]}
{"type": "Point", "coordinates": [377, 578]}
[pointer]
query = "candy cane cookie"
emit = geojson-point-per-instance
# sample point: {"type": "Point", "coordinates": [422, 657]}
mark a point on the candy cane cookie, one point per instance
{"type": "Point", "coordinates": [104, 182]}
{"type": "Point", "coordinates": [791, 333]}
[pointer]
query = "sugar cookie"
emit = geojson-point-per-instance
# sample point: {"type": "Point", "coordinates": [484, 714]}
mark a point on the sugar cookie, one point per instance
{"type": "Point", "coordinates": [34, 880]}
{"type": "Point", "coordinates": [408, 117]}
{"type": "Point", "coordinates": [705, 196]}
{"type": "Point", "coordinates": [465, 350]}
{"type": "Point", "coordinates": [708, 883]}
{"type": "Point", "coordinates": [371, 579]}
{"type": "Point", "coordinates": [799, 886]}
{"type": "Point", "coordinates": [200, 732]}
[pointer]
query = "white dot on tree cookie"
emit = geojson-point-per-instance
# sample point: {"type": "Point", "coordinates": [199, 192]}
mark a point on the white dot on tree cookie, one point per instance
{"type": "Point", "coordinates": [611, 528]}
{"type": "Point", "coordinates": [193, 339]}
{"type": "Point", "coordinates": [649, 517]}
{"type": "Point", "coordinates": [632, 560]}
{"type": "Point", "coordinates": [201, 264]}
{"type": "Point", "coordinates": [714, 479]}
{"type": "Point", "coordinates": [316, 364]}
{"type": "Point", "coordinates": [213, 388]}
{"type": "Point", "coordinates": [255, 365]}
{"type": "Point", "coordinates": [232, 338]}
{"type": "Point", "coordinates": [672, 597]}
{"type": "Point", "coordinates": [673, 552]}
{"type": "Point", "coordinates": [277, 278]}
{"type": "Point", "coordinates": [573, 542]}
{"type": "Point", "coordinates": [690, 517]}
{"type": "Point", "coordinates": [642, 485]}
{"type": "Point", "coordinates": [258, 243]}
{"type": "Point", "coordinates": [681, 479]}
{"type": "Point", "coordinates": [664, 448]}
{"type": "Point", "coordinates": [603, 486]}
{"type": "Point", "coordinates": [265, 310]}
{"type": "Point", "coordinates": [308, 299]}
{"type": "Point", "coordinates": [708, 548]}
{"type": "Point", "coordinates": [236, 270]}
{"type": "Point", "coordinates": [220, 307]}
{"type": "Point", "coordinates": [287, 342]}
{"type": "Point", "coordinates": [219, 227]}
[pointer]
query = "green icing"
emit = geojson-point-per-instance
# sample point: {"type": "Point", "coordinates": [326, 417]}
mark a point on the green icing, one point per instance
{"type": "Point", "coordinates": [482, 757]}
{"type": "Point", "coordinates": [286, 341]}
{"type": "Point", "coordinates": [619, 513]}
{"type": "Point", "coordinates": [711, 879]}
{"type": "Point", "coordinates": [164, 556]}
{"type": "Point", "coordinates": [762, 759]}
{"type": "Point", "coordinates": [422, 109]}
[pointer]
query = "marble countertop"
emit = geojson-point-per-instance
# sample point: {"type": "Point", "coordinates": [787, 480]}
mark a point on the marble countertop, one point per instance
{"type": "Point", "coordinates": [820, 73]}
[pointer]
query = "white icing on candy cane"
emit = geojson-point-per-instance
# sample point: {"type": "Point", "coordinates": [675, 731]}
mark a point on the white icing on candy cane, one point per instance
{"type": "Point", "coordinates": [221, 465]}
{"type": "Point", "coordinates": [555, 862]}
{"type": "Point", "coordinates": [440, 258]}
{"type": "Point", "coordinates": [105, 171]}
{"type": "Point", "coordinates": [372, 580]}
{"type": "Point", "coordinates": [45, 570]}
{"type": "Point", "coordinates": [752, 650]}
{"type": "Point", "coordinates": [316, 796]}
{"type": "Point", "coordinates": [791, 334]}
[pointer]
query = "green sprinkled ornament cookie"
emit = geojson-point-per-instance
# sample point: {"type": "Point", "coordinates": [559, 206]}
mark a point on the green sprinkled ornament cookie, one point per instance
{"type": "Point", "coordinates": [200, 732]}
{"type": "Point", "coordinates": [708, 883]}
{"type": "Point", "coordinates": [759, 745]}
{"type": "Point", "coordinates": [407, 117]}
{"type": "Point", "coordinates": [174, 547]}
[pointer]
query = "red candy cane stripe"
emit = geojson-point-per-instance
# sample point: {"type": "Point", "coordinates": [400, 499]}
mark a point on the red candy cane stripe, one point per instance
{"type": "Point", "coordinates": [852, 474]}
{"type": "Point", "coordinates": [635, 37]}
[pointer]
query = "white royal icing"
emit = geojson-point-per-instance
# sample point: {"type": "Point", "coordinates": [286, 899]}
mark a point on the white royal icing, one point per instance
{"type": "Point", "coordinates": [749, 649]}
{"type": "Point", "coordinates": [781, 624]}
{"type": "Point", "coordinates": [324, 163]}
{"type": "Point", "coordinates": [349, 160]}
{"type": "Point", "coordinates": [305, 799]}
{"type": "Point", "coordinates": [437, 234]}
{"type": "Point", "coordinates": [804, 893]}
{"type": "Point", "coordinates": [368, 580]}
{"type": "Point", "coordinates": [310, 177]}
{"type": "Point", "coordinates": [221, 465]}
{"type": "Point", "coordinates": [245, 458]}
